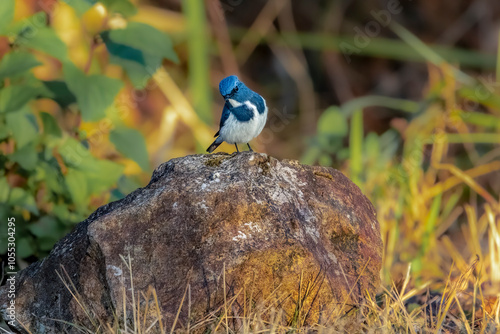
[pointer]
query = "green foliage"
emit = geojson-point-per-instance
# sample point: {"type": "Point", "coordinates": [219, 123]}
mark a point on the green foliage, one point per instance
{"type": "Point", "coordinates": [21, 127]}
{"type": "Point", "coordinates": [46, 41]}
{"type": "Point", "coordinates": [80, 6]}
{"type": "Point", "coordinates": [332, 123]}
{"type": "Point", "coordinates": [139, 49]}
{"type": "Point", "coordinates": [49, 179]}
{"type": "Point", "coordinates": [94, 93]}
{"type": "Point", "coordinates": [332, 130]}
{"type": "Point", "coordinates": [33, 33]}
{"type": "Point", "coordinates": [124, 7]}
{"type": "Point", "coordinates": [6, 13]}
{"type": "Point", "coordinates": [131, 144]}
{"type": "Point", "coordinates": [60, 92]}
{"type": "Point", "coordinates": [16, 63]}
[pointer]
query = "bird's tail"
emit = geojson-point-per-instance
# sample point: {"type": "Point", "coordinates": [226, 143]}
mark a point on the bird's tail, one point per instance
{"type": "Point", "coordinates": [215, 144]}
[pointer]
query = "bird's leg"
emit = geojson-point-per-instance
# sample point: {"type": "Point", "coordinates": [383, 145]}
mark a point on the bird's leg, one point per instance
{"type": "Point", "coordinates": [236, 145]}
{"type": "Point", "coordinates": [249, 147]}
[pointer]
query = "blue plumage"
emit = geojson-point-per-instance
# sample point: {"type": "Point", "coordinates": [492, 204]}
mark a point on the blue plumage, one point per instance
{"type": "Point", "coordinates": [228, 85]}
{"type": "Point", "coordinates": [244, 114]}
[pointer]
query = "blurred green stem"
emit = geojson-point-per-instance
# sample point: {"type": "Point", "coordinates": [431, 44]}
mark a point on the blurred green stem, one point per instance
{"type": "Point", "coordinates": [429, 234]}
{"type": "Point", "coordinates": [356, 146]}
{"type": "Point", "coordinates": [477, 138]}
{"type": "Point", "coordinates": [381, 101]}
{"type": "Point", "coordinates": [198, 58]}
{"type": "Point", "coordinates": [427, 52]}
{"type": "Point", "coordinates": [498, 57]}
{"type": "Point", "coordinates": [377, 47]}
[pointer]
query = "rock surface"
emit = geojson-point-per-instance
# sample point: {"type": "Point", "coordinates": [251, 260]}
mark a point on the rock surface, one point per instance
{"type": "Point", "coordinates": [272, 227]}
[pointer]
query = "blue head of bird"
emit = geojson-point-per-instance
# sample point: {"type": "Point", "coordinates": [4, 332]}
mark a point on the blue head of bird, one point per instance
{"type": "Point", "coordinates": [231, 86]}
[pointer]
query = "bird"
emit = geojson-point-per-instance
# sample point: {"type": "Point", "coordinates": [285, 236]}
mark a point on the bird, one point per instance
{"type": "Point", "coordinates": [243, 116]}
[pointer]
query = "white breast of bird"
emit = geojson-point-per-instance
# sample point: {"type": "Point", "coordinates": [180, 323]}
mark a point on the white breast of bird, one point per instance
{"type": "Point", "coordinates": [236, 132]}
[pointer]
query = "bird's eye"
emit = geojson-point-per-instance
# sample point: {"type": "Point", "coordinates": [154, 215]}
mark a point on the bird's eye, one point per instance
{"type": "Point", "coordinates": [236, 88]}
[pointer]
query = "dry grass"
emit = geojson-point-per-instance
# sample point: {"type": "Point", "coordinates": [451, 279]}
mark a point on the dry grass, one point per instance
{"type": "Point", "coordinates": [398, 309]}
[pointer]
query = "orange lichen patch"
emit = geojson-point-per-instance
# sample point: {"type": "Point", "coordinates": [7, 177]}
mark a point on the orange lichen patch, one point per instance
{"type": "Point", "coordinates": [323, 174]}
{"type": "Point", "coordinates": [216, 160]}
{"type": "Point", "coordinates": [288, 277]}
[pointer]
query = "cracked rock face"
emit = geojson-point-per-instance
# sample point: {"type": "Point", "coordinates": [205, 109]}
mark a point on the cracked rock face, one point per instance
{"type": "Point", "coordinates": [275, 227]}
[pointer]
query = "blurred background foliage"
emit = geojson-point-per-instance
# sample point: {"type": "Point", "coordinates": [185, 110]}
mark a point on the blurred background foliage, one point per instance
{"type": "Point", "coordinates": [402, 96]}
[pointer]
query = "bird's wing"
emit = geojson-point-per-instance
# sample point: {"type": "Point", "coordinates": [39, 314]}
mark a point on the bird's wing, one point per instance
{"type": "Point", "coordinates": [225, 115]}
{"type": "Point", "coordinates": [259, 102]}
{"type": "Point", "coordinates": [242, 113]}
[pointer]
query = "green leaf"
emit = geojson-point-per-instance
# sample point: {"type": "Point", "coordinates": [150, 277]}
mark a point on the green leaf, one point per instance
{"type": "Point", "coordinates": [24, 248]}
{"type": "Point", "coordinates": [45, 40]}
{"type": "Point", "coordinates": [332, 122]}
{"type": "Point", "coordinates": [20, 197]}
{"type": "Point", "coordinates": [46, 243]}
{"type": "Point", "coordinates": [372, 146]}
{"type": "Point", "coordinates": [25, 28]}
{"type": "Point", "coordinates": [92, 175]}
{"type": "Point", "coordinates": [4, 189]}
{"type": "Point", "coordinates": [52, 176]}
{"type": "Point", "coordinates": [124, 7]}
{"type": "Point", "coordinates": [45, 227]}
{"type": "Point", "coordinates": [311, 155]}
{"type": "Point", "coordinates": [61, 93]}
{"type": "Point", "coordinates": [325, 160]}
{"type": "Point", "coordinates": [4, 131]}
{"type": "Point", "coordinates": [21, 128]}
{"type": "Point", "coordinates": [131, 144]}
{"type": "Point", "coordinates": [139, 71]}
{"type": "Point", "coordinates": [139, 49]}
{"type": "Point", "coordinates": [77, 187]}
{"type": "Point", "coordinates": [61, 211]}
{"type": "Point", "coordinates": [4, 214]}
{"type": "Point", "coordinates": [6, 13]}
{"type": "Point", "coordinates": [14, 97]}
{"type": "Point", "coordinates": [33, 33]}
{"type": "Point", "coordinates": [145, 38]}
{"type": "Point", "coordinates": [17, 62]}
{"type": "Point", "coordinates": [80, 6]}
{"type": "Point", "coordinates": [127, 184]}
{"type": "Point", "coordinates": [26, 157]}
{"type": "Point", "coordinates": [50, 126]}
{"type": "Point", "coordinates": [94, 93]}
{"type": "Point", "coordinates": [101, 175]}
{"type": "Point", "coordinates": [74, 153]}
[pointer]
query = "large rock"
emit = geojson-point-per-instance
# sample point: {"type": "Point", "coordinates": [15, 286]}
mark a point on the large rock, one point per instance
{"type": "Point", "coordinates": [277, 228]}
